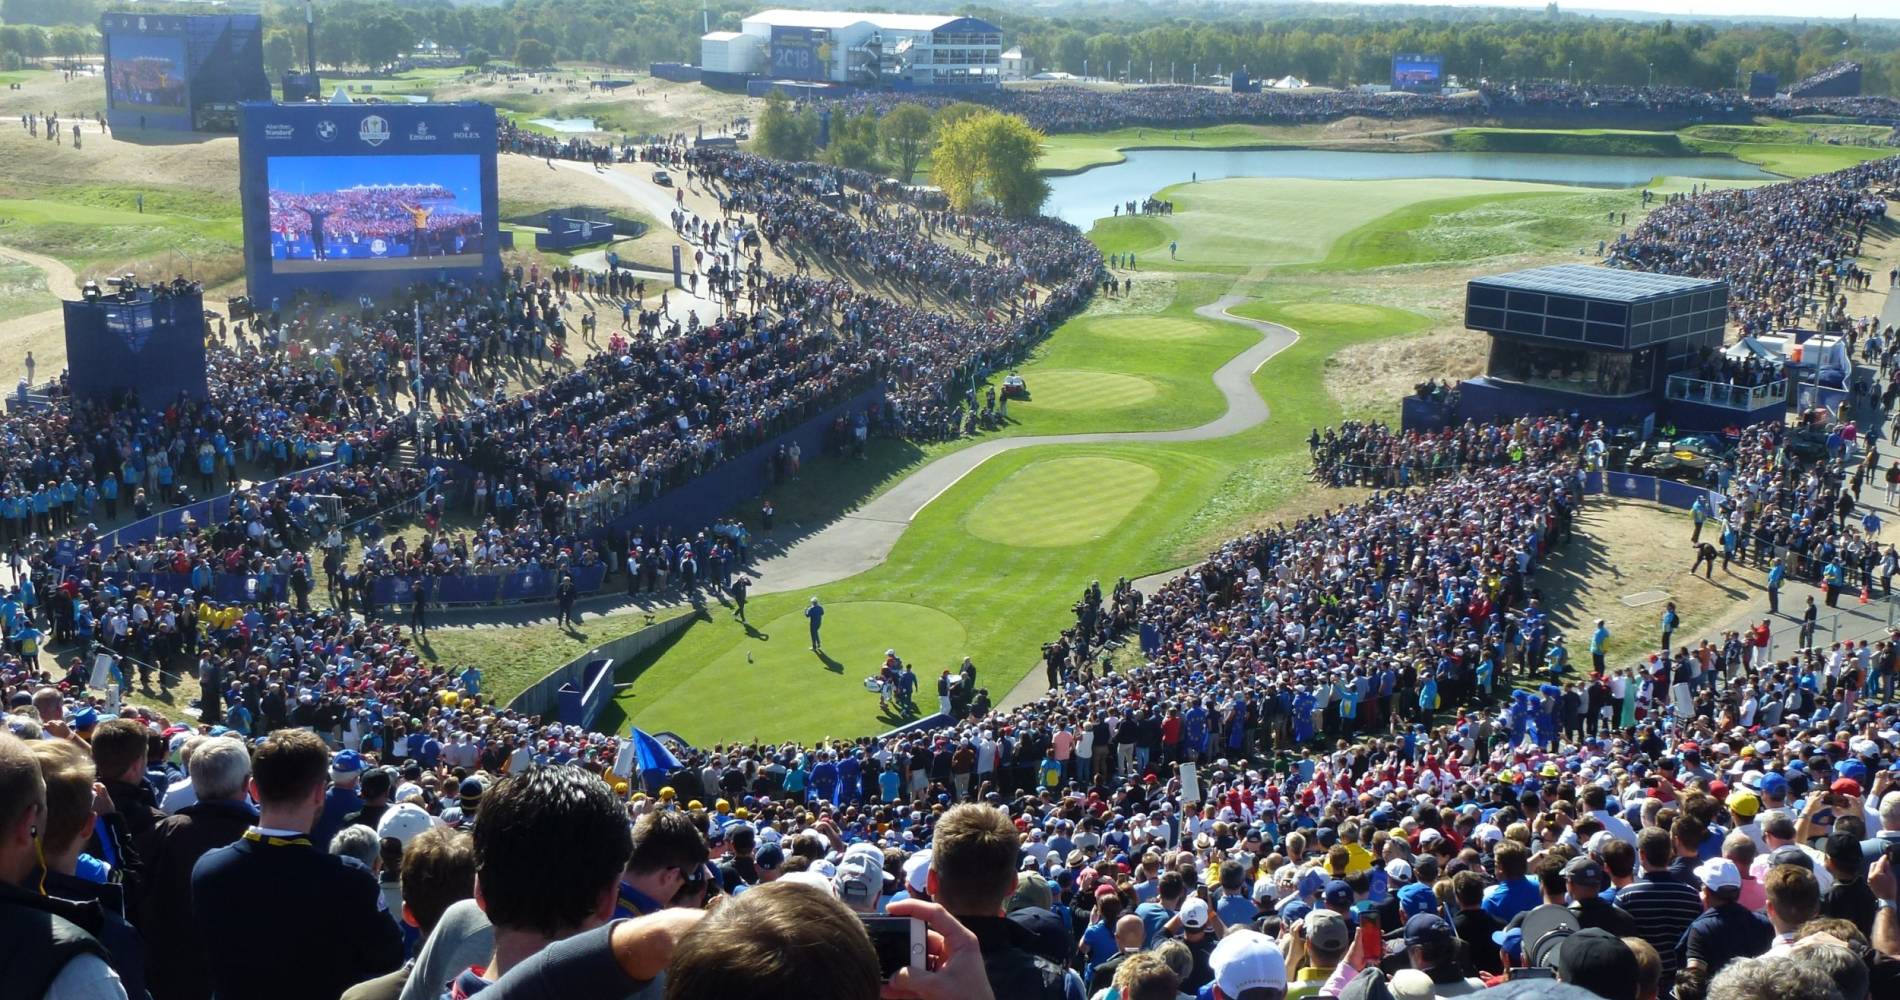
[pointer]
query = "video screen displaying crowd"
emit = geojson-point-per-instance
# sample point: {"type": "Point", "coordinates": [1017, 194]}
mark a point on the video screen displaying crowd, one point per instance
{"type": "Point", "coordinates": [407, 220]}
{"type": "Point", "coordinates": [1356, 749]}
{"type": "Point", "coordinates": [1785, 249]}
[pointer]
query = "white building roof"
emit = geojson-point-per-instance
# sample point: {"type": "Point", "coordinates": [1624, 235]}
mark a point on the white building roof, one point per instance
{"type": "Point", "coordinates": [835, 19]}
{"type": "Point", "coordinates": [720, 36]}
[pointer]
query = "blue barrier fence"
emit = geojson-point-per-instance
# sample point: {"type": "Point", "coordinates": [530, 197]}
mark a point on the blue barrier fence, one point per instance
{"type": "Point", "coordinates": [532, 584]}
{"type": "Point", "coordinates": [1667, 492]}
{"type": "Point", "coordinates": [580, 704]}
{"type": "Point", "coordinates": [202, 512]}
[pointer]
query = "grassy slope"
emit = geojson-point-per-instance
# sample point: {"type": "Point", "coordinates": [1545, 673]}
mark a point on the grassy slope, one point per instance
{"type": "Point", "coordinates": [22, 290]}
{"type": "Point", "coordinates": [1234, 225]}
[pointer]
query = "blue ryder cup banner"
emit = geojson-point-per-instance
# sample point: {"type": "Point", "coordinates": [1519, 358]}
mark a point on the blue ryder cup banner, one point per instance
{"type": "Point", "coordinates": [358, 199]}
{"type": "Point", "coordinates": [801, 53]}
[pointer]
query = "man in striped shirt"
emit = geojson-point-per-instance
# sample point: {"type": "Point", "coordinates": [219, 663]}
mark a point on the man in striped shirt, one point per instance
{"type": "Point", "coordinates": [1663, 905]}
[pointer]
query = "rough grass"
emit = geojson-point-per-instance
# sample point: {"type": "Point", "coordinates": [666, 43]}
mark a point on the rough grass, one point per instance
{"type": "Point", "coordinates": [22, 290]}
{"type": "Point", "coordinates": [1592, 142]}
{"type": "Point", "coordinates": [1236, 224]}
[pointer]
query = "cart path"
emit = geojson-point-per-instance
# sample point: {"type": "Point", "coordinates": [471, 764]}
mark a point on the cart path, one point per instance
{"type": "Point", "coordinates": [61, 282]}
{"type": "Point", "coordinates": [862, 539]}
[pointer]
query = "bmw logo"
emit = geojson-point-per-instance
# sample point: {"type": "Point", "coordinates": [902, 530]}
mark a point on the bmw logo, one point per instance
{"type": "Point", "coordinates": [326, 130]}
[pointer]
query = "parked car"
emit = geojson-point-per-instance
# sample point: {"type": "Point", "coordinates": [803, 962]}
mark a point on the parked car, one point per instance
{"type": "Point", "coordinates": [1014, 387]}
{"type": "Point", "coordinates": [662, 178]}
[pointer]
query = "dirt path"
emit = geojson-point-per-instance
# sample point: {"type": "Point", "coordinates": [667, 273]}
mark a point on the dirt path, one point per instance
{"type": "Point", "coordinates": [42, 332]}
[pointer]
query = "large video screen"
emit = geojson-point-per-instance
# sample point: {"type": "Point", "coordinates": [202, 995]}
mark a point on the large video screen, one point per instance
{"type": "Point", "coordinates": [388, 212]}
{"type": "Point", "coordinates": [1417, 73]}
{"type": "Point", "coordinates": [148, 73]}
{"type": "Point", "coordinates": [801, 53]}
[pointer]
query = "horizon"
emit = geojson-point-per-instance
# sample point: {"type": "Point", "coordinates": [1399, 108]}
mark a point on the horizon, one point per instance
{"type": "Point", "coordinates": [1816, 10]}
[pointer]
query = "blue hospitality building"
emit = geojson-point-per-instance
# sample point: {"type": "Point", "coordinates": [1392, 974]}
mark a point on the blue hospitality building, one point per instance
{"type": "Point", "coordinates": [1609, 344]}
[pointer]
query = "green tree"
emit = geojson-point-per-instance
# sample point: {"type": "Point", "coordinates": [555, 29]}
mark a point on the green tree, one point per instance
{"type": "Point", "coordinates": [384, 40]}
{"type": "Point", "coordinates": [478, 57]}
{"type": "Point", "coordinates": [533, 53]}
{"type": "Point", "coordinates": [990, 159]}
{"type": "Point", "coordinates": [783, 133]}
{"type": "Point", "coordinates": [854, 142]}
{"type": "Point", "coordinates": [950, 114]}
{"type": "Point", "coordinates": [280, 52]}
{"type": "Point", "coordinates": [905, 134]}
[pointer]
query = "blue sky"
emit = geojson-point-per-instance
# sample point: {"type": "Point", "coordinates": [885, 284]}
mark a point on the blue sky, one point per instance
{"type": "Point", "coordinates": [460, 173]}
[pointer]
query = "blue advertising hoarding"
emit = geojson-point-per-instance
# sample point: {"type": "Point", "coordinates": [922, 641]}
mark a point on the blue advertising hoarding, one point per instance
{"type": "Point", "coordinates": [801, 53]}
{"type": "Point", "coordinates": [1419, 74]}
{"type": "Point", "coordinates": [362, 198]}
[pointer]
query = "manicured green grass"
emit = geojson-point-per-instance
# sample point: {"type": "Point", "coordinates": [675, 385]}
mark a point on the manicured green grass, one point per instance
{"type": "Point", "coordinates": [1141, 372]}
{"type": "Point", "coordinates": [1037, 507]}
{"type": "Point", "coordinates": [1794, 159]}
{"type": "Point", "coordinates": [22, 290]}
{"type": "Point", "coordinates": [513, 657]}
{"type": "Point", "coordinates": [1236, 224]}
{"type": "Point", "coordinates": [1475, 227]}
{"type": "Point", "coordinates": [771, 685]}
{"type": "Point", "coordinates": [102, 234]}
{"type": "Point", "coordinates": [1075, 152]}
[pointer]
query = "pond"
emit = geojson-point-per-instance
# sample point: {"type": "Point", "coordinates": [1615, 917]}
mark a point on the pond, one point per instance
{"type": "Point", "coordinates": [565, 125]}
{"type": "Point", "coordinates": [1082, 198]}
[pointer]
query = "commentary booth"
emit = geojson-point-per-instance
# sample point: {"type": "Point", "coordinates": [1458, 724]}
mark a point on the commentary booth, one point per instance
{"type": "Point", "coordinates": [362, 199]}
{"type": "Point", "coordinates": [1607, 343]}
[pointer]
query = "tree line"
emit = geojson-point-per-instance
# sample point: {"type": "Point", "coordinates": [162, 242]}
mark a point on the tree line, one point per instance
{"type": "Point", "coordinates": [1136, 41]}
{"type": "Point", "coordinates": [1489, 44]}
{"type": "Point", "coordinates": [980, 157]}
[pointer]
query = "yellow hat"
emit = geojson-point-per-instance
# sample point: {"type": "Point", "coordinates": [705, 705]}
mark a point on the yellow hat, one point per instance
{"type": "Point", "coordinates": [742, 813]}
{"type": "Point", "coordinates": [722, 805]}
{"type": "Point", "coordinates": [695, 804]}
{"type": "Point", "coordinates": [1744, 804]}
{"type": "Point", "coordinates": [667, 793]}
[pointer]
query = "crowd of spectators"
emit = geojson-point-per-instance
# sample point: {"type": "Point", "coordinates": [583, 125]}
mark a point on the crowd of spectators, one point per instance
{"type": "Point", "coordinates": [1785, 249]}
{"type": "Point", "coordinates": [1343, 764]}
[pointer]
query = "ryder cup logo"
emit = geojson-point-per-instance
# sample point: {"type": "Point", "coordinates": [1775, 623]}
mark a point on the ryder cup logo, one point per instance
{"type": "Point", "coordinates": [374, 130]}
{"type": "Point", "coordinates": [326, 130]}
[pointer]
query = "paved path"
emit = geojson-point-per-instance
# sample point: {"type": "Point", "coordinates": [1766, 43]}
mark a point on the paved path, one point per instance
{"type": "Point", "coordinates": [60, 281]}
{"type": "Point", "coordinates": [863, 539]}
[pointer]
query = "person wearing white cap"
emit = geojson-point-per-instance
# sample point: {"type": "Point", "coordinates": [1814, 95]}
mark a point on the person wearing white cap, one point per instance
{"type": "Point", "coordinates": [1726, 930]}
{"type": "Point", "coordinates": [1248, 966]}
{"type": "Point", "coordinates": [859, 881]}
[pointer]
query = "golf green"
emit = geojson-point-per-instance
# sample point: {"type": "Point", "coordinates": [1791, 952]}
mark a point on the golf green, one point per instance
{"type": "Point", "coordinates": [1061, 501]}
{"type": "Point", "coordinates": [769, 675]}
{"type": "Point", "coordinates": [1069, 389]}
{"type": "Point", "coordinates": [1332, 313]}
{"type": "Point", "coordinates": [1150, 328]}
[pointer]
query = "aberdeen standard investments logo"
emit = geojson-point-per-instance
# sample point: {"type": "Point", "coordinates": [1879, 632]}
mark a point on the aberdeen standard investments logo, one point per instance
{"type": "Point", "coordinates": [373, 131]}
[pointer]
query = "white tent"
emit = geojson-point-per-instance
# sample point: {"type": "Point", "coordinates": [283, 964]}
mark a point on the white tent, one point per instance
{"type": "Point", "coordinates": [1288, 82]}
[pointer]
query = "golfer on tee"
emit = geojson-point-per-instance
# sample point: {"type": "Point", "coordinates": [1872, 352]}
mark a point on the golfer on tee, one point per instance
{"type": "Point", "coordinates": [816, 612]}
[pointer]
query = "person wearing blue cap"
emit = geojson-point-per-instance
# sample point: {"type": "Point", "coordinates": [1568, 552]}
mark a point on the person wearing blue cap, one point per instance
{"type": "Point", "coordinates": [346, 768]}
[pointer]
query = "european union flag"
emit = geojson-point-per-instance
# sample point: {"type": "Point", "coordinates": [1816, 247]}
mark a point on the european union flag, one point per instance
{"type": "Point", "coordinates": [650, 754]}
